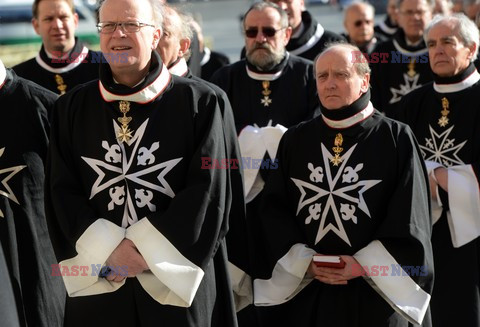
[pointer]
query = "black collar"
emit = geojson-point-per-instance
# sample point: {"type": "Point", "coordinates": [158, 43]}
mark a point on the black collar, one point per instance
{"type": "Point", "coordinates": [270, 75]}
{"type": "Point", "coordinates": [458, 82]}
{"type": "Point", "coordinates": [400, 43]}
{"type": "Point", "coordinates": [60, 63]}
{"type": "Point", "coordinates": [349, 115]}
{"type": "Point", "coordinates": [155, 83]}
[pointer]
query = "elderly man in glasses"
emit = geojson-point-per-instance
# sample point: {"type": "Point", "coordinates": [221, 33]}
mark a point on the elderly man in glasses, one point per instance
{"type": "Point", "coordinates": [270, 90]}
{"type": "Point", "coordinates": [444, 117]}
{"type": "Point", "coordinates": [129, 193]}
{"type": "Point", "coordinates": [63, 61]}
{"type": "Point", "coordinates": [358, 23]}
{"type": "Point", "coordinates": [400, 65]}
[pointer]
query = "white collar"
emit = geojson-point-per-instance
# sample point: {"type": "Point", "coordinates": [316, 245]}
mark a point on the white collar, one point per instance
{"type": "Point", "coordinates": [180, 68]}
{"type": "Point", "coordinates": [350, 121]}
{"type": "Point", "coordinates": [412, 44]}
{"type": "Point", "coordinates": [311, 42]}
{"type": "Point", "coordinates": [299, 32]}
{"type": "Point", "coordinates": [3, 74]}
{"type": "Point", "coordinates": [145, 95]}
{"type": "Point", "coordinates": [384, 27]}
{"type": "Point", "coordinates": [455, 87]}
{"type": "Point", "coordinates": [81, 57]}
{"type": "Point", "coordinates": [206, 56]}
{"type": "Point", "coordinates": [406, 52]}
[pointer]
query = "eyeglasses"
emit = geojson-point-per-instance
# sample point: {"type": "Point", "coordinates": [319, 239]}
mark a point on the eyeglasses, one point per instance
{"type": "Point", "coordinates": [252, 32]}
{"type": "Point", "coordinates": [411, 13]}
{"type": "Point", "coordinates": [127, 27]}
{"type": "Point", "coordinates": [359, 23]}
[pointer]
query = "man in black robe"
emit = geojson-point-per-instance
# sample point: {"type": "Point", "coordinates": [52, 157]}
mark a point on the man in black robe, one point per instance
{"type": "Point", "coordinates": [173, 48]}
{"type": "Point", "coordinates": [63, 62]}
{"type": "Point", "coordinates": [39, 296]}
{"type": "Point", "coordinates": [146, 195]}
{"type": "Point", "coordinates": [444, 115]}
{"type": "Point", "coordinates": [388, 26]}
{"type": "Point", "coordinates": [359, 195]}
{"type": "Point", "coordinates": [401, 64]}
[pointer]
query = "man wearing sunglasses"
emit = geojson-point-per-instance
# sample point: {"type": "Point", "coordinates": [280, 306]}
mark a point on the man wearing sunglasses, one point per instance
{"type": "Point", "coordinates": [358, 23]}
{"type": "Point", "coordinates": [137, 219]}
{"type": "Point", "coordinates": [63, 61]}
{"type": "Point", "coordinates": [270, 90]}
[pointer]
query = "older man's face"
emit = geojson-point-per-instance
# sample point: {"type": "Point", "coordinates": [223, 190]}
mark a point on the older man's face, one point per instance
{"type": "Point", "coordinates": [169, 45]}
{"type": "Point", "coordinates": [413, 17]}
{"type": "Point", "coordinates": [338, 84]}
{"type": "Point", "coordinates": [263, 49]}
{"type": "Point", "coordinates": [359, 24]}
{"type": "Point", "coordinates": [448, 55]}
{"type": "Point", "coordinates": [136, 46]}
{"type": "Point", "coordinates": [294, 9]}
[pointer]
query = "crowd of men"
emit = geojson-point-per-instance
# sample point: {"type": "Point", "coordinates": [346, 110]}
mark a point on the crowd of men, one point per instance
{"type": "Point", "coordinates": [321, 180]}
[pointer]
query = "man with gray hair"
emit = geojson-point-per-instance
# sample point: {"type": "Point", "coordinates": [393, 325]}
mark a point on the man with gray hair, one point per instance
{"type": "Point", "coordinates": [136, 197]}
{"type": "Point", "coordinates": [358, 198]}
{"type": "Point", "coordinates": [444, 117]}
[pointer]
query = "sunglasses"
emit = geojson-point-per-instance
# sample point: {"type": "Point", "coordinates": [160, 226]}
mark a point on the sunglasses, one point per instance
{"type": "Point", "coordinates": [359, 23]}
{"type": "Point", "coordinates": [267, 31]}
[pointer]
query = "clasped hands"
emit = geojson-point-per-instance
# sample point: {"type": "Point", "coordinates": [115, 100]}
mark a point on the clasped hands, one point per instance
{"type": "Point", "coordinates": [126, 255]}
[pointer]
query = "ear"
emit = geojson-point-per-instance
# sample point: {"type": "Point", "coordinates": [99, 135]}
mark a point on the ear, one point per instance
{"type": "Point", "coordinates": [36, 25]}
{"type": "Point", "coordinates": [75, 19]}
{"type": "Point", "coordinates": [184, 46]}
{"type": "Point", "coordinates": [157, 34]}
{"type": "Point", "coordinates": [288, 34]}
{"type": "Point", "coordinates": [472, 48]}
{"type": "Point", "coordinates": [365, 83]}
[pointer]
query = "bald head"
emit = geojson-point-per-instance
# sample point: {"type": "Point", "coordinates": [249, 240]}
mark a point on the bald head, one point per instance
{"type": "Point", "coordinates": [358, 22]}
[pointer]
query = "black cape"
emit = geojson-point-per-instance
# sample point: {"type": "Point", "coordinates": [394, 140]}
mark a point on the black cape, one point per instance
{"type": "Point", "coordinates": [394, 76]}
{"type": "Point", "coordinates": [456, 146]}
{"type": "Point", "coordinates": [61, 76]}
{"type": "Point", "coordinates": [376, 198]}
{"type": "Point", "coordinates": [386, 28]}
{"type": "Point", "coordinates": [211, 62]}
{"type": "Point", "coordinates": [40, 297]}
{"type": "Point", "coordinates": [156, 191]}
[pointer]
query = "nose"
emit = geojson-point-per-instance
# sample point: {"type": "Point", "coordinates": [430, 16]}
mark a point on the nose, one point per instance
{"type": "Point", "coordinates": [57, 23]}
{"type": "Point", "coordinates": [260, 38]}
{"type": "Point", "coordinates": [119, 32]}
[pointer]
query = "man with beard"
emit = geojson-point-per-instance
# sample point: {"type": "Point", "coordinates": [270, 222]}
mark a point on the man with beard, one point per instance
{"type": "Point", "coordinates": [63, 62]}
{"type": "Point", "coordinates": [445, 117]}
{"type": "Point", "coordinates": [358, 23]}
{"type": "Point", "coordinates": [401, 64]}
{"type": "Point", "coordinates": [351, 185]}
{"type": "Point", "coordinates": [270, 91]}
{"type": "Point", "coordinates": [136, 197]}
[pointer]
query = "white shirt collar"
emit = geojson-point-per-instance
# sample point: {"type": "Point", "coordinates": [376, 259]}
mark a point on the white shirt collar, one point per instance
{"type": "Point", "coordinates": [180, 68]}
{"type": "Point", "coordinates": [455, 87]}
{"type": "Point", "coordinates": [350, 121]}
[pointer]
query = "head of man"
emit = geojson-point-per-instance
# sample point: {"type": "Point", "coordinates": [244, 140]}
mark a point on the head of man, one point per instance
{"type": "Point", "coordinates": [341, 77]}
{"type": "Point", "coordinates": [55, 21]}
{"type": "Point", "coordinates": [413, 17]}
{"type": "Point", "coordinates": [392, 11]}
{"type": "Point", "coordinates": [176, 36]}
{"type": "Point", "coordinates": [129, 29]}
{"type": "Point", "coordinates": [358, 22]}
{"type": "Point", "coordinates": [266, 35]}
{"type": "Point", "coordinates": [294, 9]}
{"type": "Point", "coordinates": [452, 43]}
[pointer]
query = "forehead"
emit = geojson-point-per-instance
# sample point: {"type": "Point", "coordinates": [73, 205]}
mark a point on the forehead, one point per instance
{"type": "Point", "coordinates": [171, 20]}
{"type": "Point", "coordinates": [48, 7]}
{"type": "Point", "coordinates": [121, 10]}
{"type": "Point", "coordinates": [265, 17]}
{"type": "Point", "coordinates": [339, 59]}
{"type": "Point", "coordinates": [442, 30]}
{"type": "Point", "coordinates": [359, 12]}
{"type": "Point", "coordinates": [413, 4]}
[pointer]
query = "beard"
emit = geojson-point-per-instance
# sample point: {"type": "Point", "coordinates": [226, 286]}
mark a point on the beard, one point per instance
{"type": "Point", "coordinates": [265, 59]}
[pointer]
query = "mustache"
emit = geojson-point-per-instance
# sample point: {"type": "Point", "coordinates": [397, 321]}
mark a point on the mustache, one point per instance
{"type": "Point", "coordinates": [257, 46]}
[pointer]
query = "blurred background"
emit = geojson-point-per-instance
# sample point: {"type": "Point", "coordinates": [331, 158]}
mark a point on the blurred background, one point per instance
{"type": "Point", "coordinates": [219, 19]}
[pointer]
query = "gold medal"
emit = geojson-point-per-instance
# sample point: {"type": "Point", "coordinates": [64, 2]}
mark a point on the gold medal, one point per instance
{"type": "Point", "coordinates": [266, 92]}
{"type": "Point", "coordinates": [62, 87]}
{"type": "Point", "coordinates": [443, 121]}
{"type": "Point", "coordinates": [411, 68]}
{"type": "Point", "coordinates": [337, 149]}
{"type": "Point", "coordinates": [124, 134]}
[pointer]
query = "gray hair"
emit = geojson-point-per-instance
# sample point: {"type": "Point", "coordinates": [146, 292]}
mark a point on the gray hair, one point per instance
{"type": "Point", "coordinates": [466, 29]}
{"type": "Point", "coordinates": [265, 4]}
{"type": "Point", "coordinates": [156, 10]}
{"type": "Point", "coordinates": [361, 66]}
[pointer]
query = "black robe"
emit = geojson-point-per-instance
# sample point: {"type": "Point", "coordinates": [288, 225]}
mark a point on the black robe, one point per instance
{"type": "Point", "coordinates": [155, 190]}
{"type": "Point", "coordinates": [394, 76]}
{"type": "Point", "coordinates": [373, 205]}
{"type": "Point", "coordinates": [386, 28]}
{"type": "Point", "coordinates": [62, 75]}
{"type": "Point", "coordinates": [211, 62]}
{"type": "Point", "coordinates": [40, 297]}
{"type": "Point", "coordinates": [8, 308]}
{"type": "Point", "coordinates": [456, 146]}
